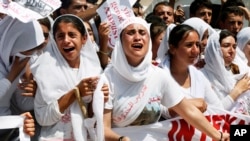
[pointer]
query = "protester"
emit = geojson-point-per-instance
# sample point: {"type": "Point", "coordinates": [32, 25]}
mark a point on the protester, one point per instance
{"type": "Point", "coordinates": [165, 11]}
{"type": "Point", "coordinates": [19, 43]}
{"type": "Point", "coordinates": [139, 90]}
{"type": "Point", "coordinates": [164, 46]}
{"type": "Point", "coordinates": [227, 73]}
{"type": "Point", "coordinates": [202, 9]}
{"type": "Point", "coordinates": [243, 42]}
{"type": "Point", "coordinates": [27, 85]}
{"type": "Point", "coordinates": [184, 50]}
{"type": "Point", "coordinates": [46, 27]}
{"type": "Point", "coordinates": [89, 28]}
{"type": "Point", "coordinates": [231, 18]}
{"type": "Point", "coordinates": [72, 56]}
{"type": "Point", "coordinates": [77, 7]}
{"type": "Point", "coordinates": [157, 32]}
{"type": "Point", "coordinates": [204, 31]}
{"type": "Point", "coordinates": [138, 9]}
{"type": "Point", "coordinates": [81, 9]}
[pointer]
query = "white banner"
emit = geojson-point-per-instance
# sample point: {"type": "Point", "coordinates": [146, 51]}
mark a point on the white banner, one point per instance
{"type": "Point", "coordinates": [10, 122]}
{"type": "Point", "coordinates": [178, 129]}
{"type": "Point", "coordinates": [114, 12]}
{"type": "Point", "coordinates": [27, 10]}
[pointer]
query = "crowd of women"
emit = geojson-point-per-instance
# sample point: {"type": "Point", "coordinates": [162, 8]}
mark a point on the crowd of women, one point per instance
{"type": "Point", "coordinates": [60, 73]}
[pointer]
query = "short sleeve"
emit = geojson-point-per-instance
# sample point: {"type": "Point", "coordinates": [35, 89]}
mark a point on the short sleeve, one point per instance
{"type": "Point", "coordinates": [171, 93]}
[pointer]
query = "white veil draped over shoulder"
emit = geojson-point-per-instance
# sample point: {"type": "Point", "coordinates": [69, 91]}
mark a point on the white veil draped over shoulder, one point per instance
{"type": "Point", "coordinates": [54, 78]}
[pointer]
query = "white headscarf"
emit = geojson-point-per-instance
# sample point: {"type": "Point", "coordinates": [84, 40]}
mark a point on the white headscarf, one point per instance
{"type": "Point", "coordinates": [243, 37]}
{"type": "Point", "coordinates": [17, 37]}
{"type": "Point", "coordinates": [222, 80]}
{"type": "Point", "coordinates": [119, 71]}
{"type": "Point", "coordinates": [54, 78]}
{"type": "Point", "coordinates": [215, 66]}
{"type": "Point", "coordinates": [118, 58]}
{"type": "Point", "coordinates": [164, 45]}
{"type": "Point", "coordinates": [200, 25]}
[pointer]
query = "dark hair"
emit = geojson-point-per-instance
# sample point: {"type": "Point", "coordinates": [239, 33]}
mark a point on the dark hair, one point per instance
{"type": "Point", "coordinates": [91, 28]}
{"type": "Point", "coordinates": [165, 3]}
{"type": "Point", "coordinates": [178, 33]}
{"type": "Point", "coordinates": [78, 24]}
{"type": "Point", "coordinates": [45, 22]}
{"type": "Point", "coordinates": [65, 4]}
{"type": "Point", "coordinates": [92, 1]}
{"type": "Point", "coordinates": [229, 10]}
{"type": "Point", "coordinates": [150, 18]}
{"type": "Point", "coordinates": [156, 28]}
{"type": "Point", "coordinates": [137, 4]}
{"type": "Point", "coordinates": [196, 4]}
{"type": "Point", "coordinates": [229, 3]}
{"type": "Point", "coordinates": [225, 33]}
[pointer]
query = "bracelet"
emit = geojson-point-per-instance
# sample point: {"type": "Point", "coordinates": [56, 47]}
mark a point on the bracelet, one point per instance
{"type": "Point", "coordinates": [105, 53]}
{"type": "Point", "coordinates": [121, 137]}
{"type": "Point", "coordinates": [80, 102]}
{"type": "Point", "coordinates": [221, 136]}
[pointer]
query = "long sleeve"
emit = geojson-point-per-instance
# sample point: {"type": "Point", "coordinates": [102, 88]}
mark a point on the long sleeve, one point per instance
{"type": "Point", "coordinates": [46, 114]}
{"type": "Point", "coordinates": [4, 87]}
{"type": "Point", "coordinates": [226, 100]}
{"type": "Point", "coordinates": [211, 97]}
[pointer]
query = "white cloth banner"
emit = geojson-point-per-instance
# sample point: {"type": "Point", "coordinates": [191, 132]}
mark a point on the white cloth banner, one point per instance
{"type": "Point", "coordinates": [9, 122]}
{"type": "Point", "coordinates": [178, 129]}
{"type": "Point", "coordinates": [114, 12]}
{"type": "Point", "coordinates": [28, 10]}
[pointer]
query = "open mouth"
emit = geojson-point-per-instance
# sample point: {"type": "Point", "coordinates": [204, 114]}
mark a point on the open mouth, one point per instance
{"type": "Point", "coordinates": [137, 45]}
{"type": "Point", "coordinates": [68, 49]}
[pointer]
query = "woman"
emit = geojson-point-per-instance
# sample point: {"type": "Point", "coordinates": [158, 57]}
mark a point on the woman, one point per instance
{"type": "Point", "coordinates": [138, 89]}
{"type": "Point", "coordinates": [72, 77]}
{"type": "Point", "coordinates": [184, 50]}
{"type": "Point", "coordinates": [243, 42]}
{"type": "Point", "coordinates": [16, 38]}
{"type": "Point", "coordinates": [89, 28]}
{"type": "Point", "coordinates": [164, 46]}
{"type": "Point", "coordinates": [204, 31]}
{"type": "Point", "coordinates": [225, 72]}
{"type": "Point", "coordinates": [157, 32]}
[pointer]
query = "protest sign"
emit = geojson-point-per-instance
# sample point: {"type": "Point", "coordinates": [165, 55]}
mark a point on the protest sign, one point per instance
{"type": "Point", "coordinates": [177, 129]}
{"type": "Point", "coordinates": [114, 12]}
{"type": "Point", "coordinates": [28, 10]}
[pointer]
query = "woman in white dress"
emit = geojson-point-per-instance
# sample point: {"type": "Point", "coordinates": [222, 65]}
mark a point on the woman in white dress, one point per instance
{"type": "Point", "coordinates": [66, 75]}
{"type": "Point", "coordinates": [139, 90]}
{"type": "Point", "coordinates": [184, 43]}
{"type": "Point", "coordinates": [226, 72]}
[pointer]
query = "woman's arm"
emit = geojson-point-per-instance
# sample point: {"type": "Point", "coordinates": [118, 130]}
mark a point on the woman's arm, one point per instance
{"type": "Point", "coordinates": [109, 134]}
{"type": "Point", "coordinates": [240, 87]}
{"type": "Point", "coordinates": [193, 116]}
{"type": "Point", "coordinates": [103, 33]}
{"type": "Point", "coordinates": [49, 113]}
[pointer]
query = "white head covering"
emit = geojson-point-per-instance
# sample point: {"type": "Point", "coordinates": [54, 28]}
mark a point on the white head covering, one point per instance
{"type": "Point", "coordinates": [54, 78]}
{"type": "Point", "coordinates": [215, 65]}
{"type": "Point", "coordinates": [17, 37]}
{"type": "Point", "coordinates": [243, 37]}
{"type": "Point", "coordinates": [118, 58]}
{"type": "Point", "coordinates": [164, 46]}
{"type": "Point", "coordinates": [200, 25]}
